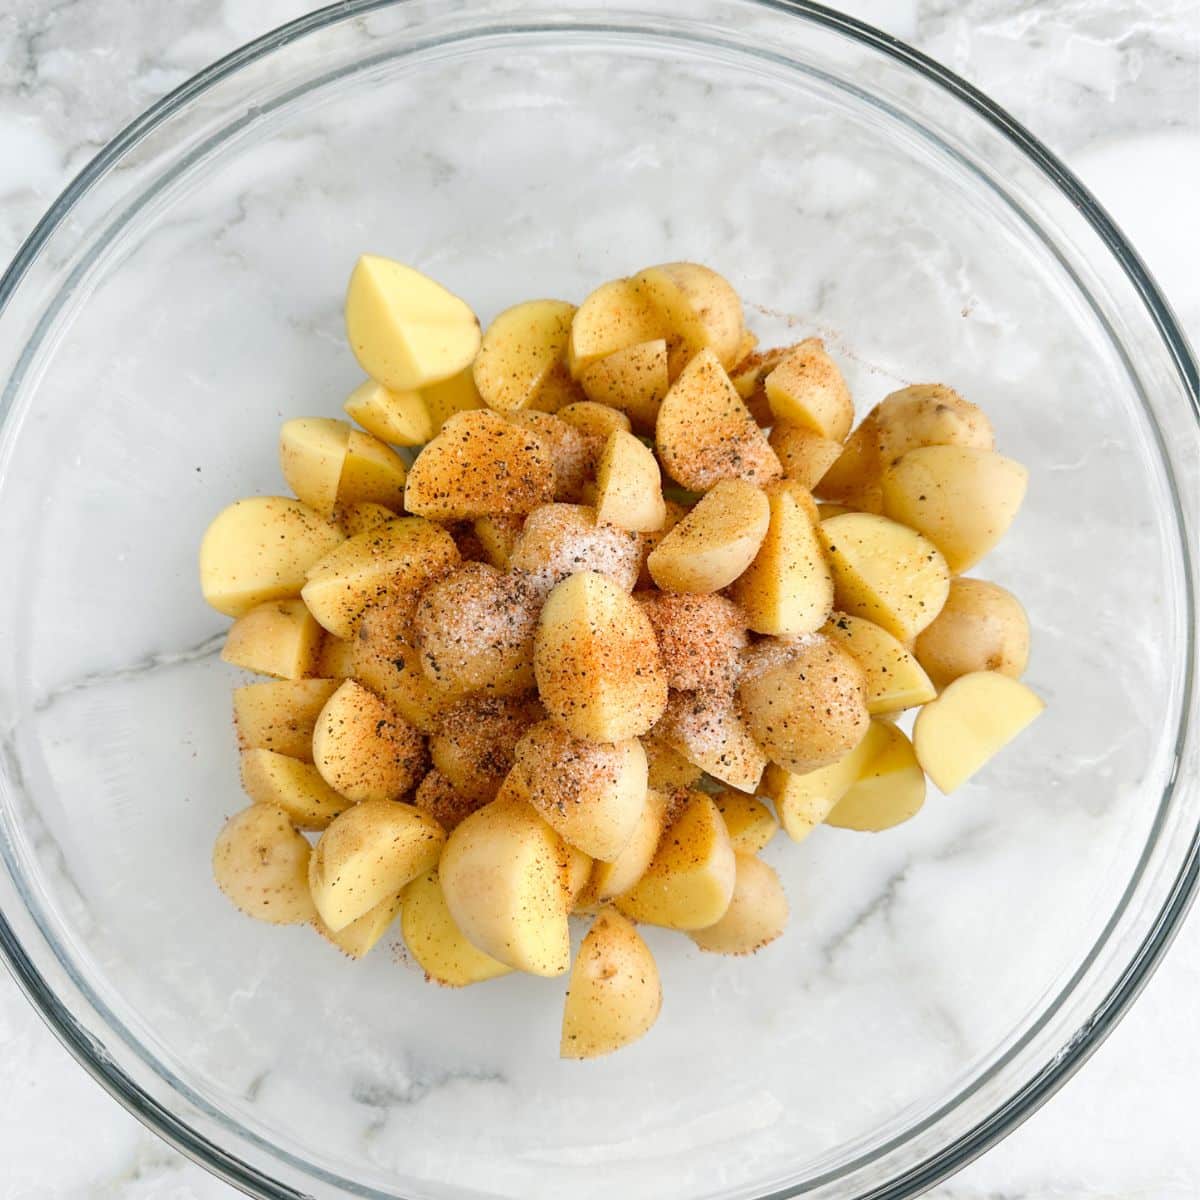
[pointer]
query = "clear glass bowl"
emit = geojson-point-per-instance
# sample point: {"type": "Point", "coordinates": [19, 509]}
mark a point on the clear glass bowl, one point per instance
{"type": "Point", "coordinates": [183, 295]}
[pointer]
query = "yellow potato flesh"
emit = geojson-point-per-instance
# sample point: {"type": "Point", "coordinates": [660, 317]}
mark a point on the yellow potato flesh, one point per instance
{"type": "Point", "coordinates": [372, 472]}
{"type": "Point", "coordinates": [336, 660]}
{"type": "Point", "coordinates": [890, 789]}
{"type": "Point", "coordinates": [629, 486]}
{"type": "Point", "coordinates": [807, 389]}
{"type": "Point", "coordinates": [450, 397]}
{"type": "Point", "coordinates": [278, 638]}
{"type": "Point", "coordinates": [390, 665]}
{"type": "Point", "coordinates": [312, 451]}
{"type": "Point", "coordinates": [400, 418]}
{"type": "Point", "coordinates": [261, 864]}
{"type": "Point", "coordinates": [668, 769]}
{"type": "Point", "coordinates": [895, 679]}
{"type": "Point", "coordinates": [358, 938]}
{"type": "Point", "coordinates": [523, 356]}
{"type": "Point", "coordinates": [757, 912]}
{"type": "Point", "coordinates": [803, 453]}
{"type": "Point", "coordinates": [699, 307]}
{"type": "Point", "coordinates": [498, 535]}
{"type": "Point", "coordinates": [609, 879]}
{"type": "Point", "coordinates": [280, 716]}
{"type": "Point", "coordinates": [437, 943]}
{"type": "Point", "coordinates": [292, 785]}
{"type": "Point", "coordinates": [749, 822]}
{"type": "Point", "coordinates": [633, 380]}
{"type": "Point", "coordinates": [981, 627]}
{"type": "Point", "coordinates": [613, 317]}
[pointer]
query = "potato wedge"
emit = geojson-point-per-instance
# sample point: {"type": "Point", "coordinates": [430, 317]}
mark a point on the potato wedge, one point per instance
{"type": "Point", "coordinates": [609, 879]}
{"type": "Point", "coordinates": [981, 627]}
{"type": "Point", "coordinates": [890, 789]}
{"type": "Point", "coordinates": [278, 638]}
{"type": "Point", "coordinates": [451, 396]}
{"type": "Point", "coordinates": [895, 680]}
{"type": "Point", "coordinates": [667, 769]}
{"type": "Point", "coordinates": [699, 308]}
{"type": "Point", "coordinates": [294, 786]}
{"type": "Point", "coordinates": [803, 454]}
{"type": "Point", "coordinates": [437, 944]}
{"type": "Point", "coordinates": [615, 316]}
{"type": "Point", "coordinates": [633, 380]}
{"type": "Point", "coordinates": [476, 741]}
{"type": "Point", "coordinates": [312, 452]}
{"type": "Point", "coordinates": [280, 716]}
{"type": "Point", "coordinates": [357, 939]}
{"type": "Point", "coordinates": [399, 418]}
{"type": "Point", "coordinates": [629, 485]}
{"type": "Point", "coordinates": [522, 361]}
{"type": "Point", "coordinates": [756, 914]}
{"type": "Point", "coordinates": [559, 540]}
{"type": "Point", "coordinates": [749, 822]}
{"type": "Point", "coordinates": [748, 377]}
{"type": "Point", "coordinates": [572, 455]}
{"type": "Point", "coordinates": [707, 729]}
{"type": "Point", "coordinates": [261, 864]}
{"type": "Point", "coordinates": [700, 638]}
{"type": "Point", "coordinates": [336, 659]}
{"type": "Point", "coordinates": [362, 515]}
{"type": "Point", "coordinates": [371, 472]}
{"type": "Point", "coordinates": [807, 389]}
{"type": "Point", "coordinates": [498, 536]}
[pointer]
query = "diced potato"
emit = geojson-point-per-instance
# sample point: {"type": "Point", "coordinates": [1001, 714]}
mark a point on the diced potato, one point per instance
{"type": "Point", "coordinates": [479, 464]}
{"type": "Point", "coordinates": [476, 741]}
{"type": "Point", "coordinates": [609, 879]}
{"type": "Point", "coordinates": [756, 914]}
{"type": "Point", "coordinates": [788, 588]}
{"type": "Point", "coordinates": [451, 397]}
{"type": "Point", "coordinates": [596, 660]}
{"type": "Point", "coordinates": [667, 769]}
{"type": "Point", "coordinates": [437, 943]}
{"type": "Point", "coordinates": [522, 361]}
{"type": "Point", "coordinates": [890, 789]}
{"type": "Point", "coordinates": [437, 796]}
{"type": "Point", "coordinates": [359, 937]}
{"type": "Point", "coordinates": [633, 380]}
{"type": "Point", "coordinates": [312, 451]}
{"type": "Point", "coordinates": [559, 540]}
{"type": "Point", "coordinates": [962, 499]}
{"type": "Point", "coordinates": [629, 485]}
{"type": "Point", "coordinates": [700, 638]}
{"type": "Point", "coordinates": [705, 434]}
{"type": "Point", "coordinates": [367, 855]}
{"type": "Point", "coordinates": [803, 454]}
{"type": "Point", "coordinates": [259, 549]}
{"type": "Point", "coordinates": [504, 875]}
{"type": "Point", "coordinates": [591, 793]}
{"type": "Point", "coordinates": [294, 786]}
{"type": "Point", "coordinates": [571, 454]}
{"type": "Point", "coordinates": [261, 864]}
{"type": "Point", "coordinates": [372, 471]}
{"type": "Point", "coordinates": [981, 627]}
{"type": "Point", "coordinates": [749, 379]}
{"type": "Point", "coordinates": [277, 638]}
{"type": "Point", "coordinates": [804, 703]}
{"type": "Point", "coordinates": [280, 716]}
{"type": "Point", "coordinates": [595, 423]}
{"type": "Point", "coordinates": [401, 418]}
{"type": "Point", "coordinates": [336, 659]}
{"type": "Point", "coordinates": [700, 309]}
{"type": "Point", "coordinates": [885, 572]}
{"type": "Point", "coordinates": [808, 390]}
{"type": "Point", "coordinates": [715, 542]}
{"type": "Point", "coordinates": [690, 880]}
{"type": "Point", "coordinates": [406, 330]}
{"type": "Point", "coordinates": [498, 536]}
{"type": "Point", "coordinates": [972, 720]}
{"type": "Point", "coordinates": [675, 512]}
{"type": "Point", "coordinates": [895, 679]}
{"type": "Point", "coordinates": [364, 749]}
{"type": "Point", "coordinates": [615, 316]}
{"type": "Point", "coordinates": [614, 995]}
{"type": "Point", "coordinates": [389, 563]}
{"type": "Point", "coordinates": [706, 728]}
{"type": "Point", "coordinates": [362, 515]}
{"type": "Point", "coordinates": [749, 822]}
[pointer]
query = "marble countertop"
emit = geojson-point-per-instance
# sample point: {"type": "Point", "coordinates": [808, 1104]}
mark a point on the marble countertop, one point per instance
{"type": "Point", "coordinates": [1112, 85]}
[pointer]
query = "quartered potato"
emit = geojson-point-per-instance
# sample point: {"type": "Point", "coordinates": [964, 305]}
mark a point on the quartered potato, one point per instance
{"type": "Point", "coordinates": [632, 380]}
{"type": "Point", "coordinates": [629, 486]}
{"type": "Point", "coordinates": [749, 822]}
{"type": "Point", "coordinates": [312, 451]}
{"type": "Point", "coordinates": [804, 454]}
{"type": "Point", "coordinates": [981, 627]}
{"type": "Point", "coordinates": [278, 638]}
{"type": "Point", "coordinates": [617, 315]}
{"type": "Point", "coordinates": [452, 396]}
{"type": "Point", "coordinates": [807, 389]}
{"type": "Point", "coordinates": [522, 361]}
{"type": "Point", "coordinates": [476, 740]}
{"type": "Point", "coordinates": [261, 864]}
{"type": "Point", "coordinates": [362, 515]}
{"type": "Point", "coordinates": [560, 540]}
{"type": "Point", "coordinates": [372, 472]}
{"type": "Point", "coordinates": [437, 943]}
{"type": "Point", "coordinates": [700, 638]}
{"type": "Point", "coordinates": [280, 716]}
{"type": "Point", "coordinates": [399, 418]}
{"type": "Point", "coordinates": [571, 454]}
{"type": "Point", "coordinates": [609, 879]}
{"type": "Point", "coordinates": [707, 729]}
{"type": "Point", "coordinates": [357, 939]}
{"type": "Point", "coordinates": [895, 680]}
{"type": "Point", "coordinates": [757, 912]}
{"type": "Point", "coordinates": [700, 311]}
{"type": "Point", "coordinates": [889, 789]}
{"type": "Point", "coordinates": [292, 785]}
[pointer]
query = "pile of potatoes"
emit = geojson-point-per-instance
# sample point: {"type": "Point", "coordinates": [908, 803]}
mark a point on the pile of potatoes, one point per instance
{"type": "Point", "coordinates": [587, 649]}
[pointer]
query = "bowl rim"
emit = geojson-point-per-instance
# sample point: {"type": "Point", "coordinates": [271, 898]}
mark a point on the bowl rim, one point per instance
{"type": "Point", "coordinates": [1183, 889]}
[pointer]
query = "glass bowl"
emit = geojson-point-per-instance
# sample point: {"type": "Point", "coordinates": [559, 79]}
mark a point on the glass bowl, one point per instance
{"type": "Point", "coordinates": [937, 982]}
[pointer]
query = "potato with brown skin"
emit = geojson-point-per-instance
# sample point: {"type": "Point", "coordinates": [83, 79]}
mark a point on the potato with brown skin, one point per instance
{"type": "Point", "coordinates": [437, 943]}
{"type": "Point", "coordinates": [707, 729]}
{"type": "Point", "coordinates": [750, 823]}
{"type": "Point", "coordinates": [261, 864]}
{"type": "Point", "coordinates": [571, 455]}
{"type": "Point", "coordinates": [476, 741]}
{"type": "Point", "coordinates": [292, 785]}
{"type": "Point", "coordinates": [981, 627]}
{"type": "Point", "coordinates": [498, 536]}
{"type": "Point", "coordinates": [560, 540]}
{"type": "Point", "coordinates": [700, 638]}
{"type": "Point", "coordinates": [629, 486]}
{"type": "Point", "coordinates": [667, 769]}
{"type": "Point", "coordinates": [757, 912]}
{"type": "Point", "coordinates": [609, 879]}
{"type": "Point", "coordinates": [808, 390]}
{"type": "Point", "coordinates": [804, 454]}
{"type": "Point", "coordinates": [632, 380]}
{"type": "Point", "coordinates": [522, 360]}
{"type": "Point", "coordinates": [278, 638]}
{"type": "Point", "coordinates": [280, 716]}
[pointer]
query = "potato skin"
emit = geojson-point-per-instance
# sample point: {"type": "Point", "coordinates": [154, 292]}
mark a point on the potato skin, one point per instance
{"type": "Point", "coordinates": [756, 915]}
{"type": "Point", "coordinates": [437, 944]}
{"type": "Point", "coordinates": [982, 627]}
{"type": "Point", "coordinates": [280, 715]}
{"type": "Point", "coordinates": [261, 864]}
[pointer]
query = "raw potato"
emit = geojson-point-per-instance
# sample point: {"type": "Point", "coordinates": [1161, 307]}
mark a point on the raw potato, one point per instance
{"type": "Point", "coordinates": [292, 785]}
{"type": "Point", "coordinates": [615, 316]}
{"type": "Point", "coordinates": [715, 542]}
{"type": "Point", "coordinates": [451, 396]}
{"type": "Point", "coordinates": [962, 499]}
{"type": "Point", "coordinates": [705, 433]}
{"type": "Point", "coordinates": [749, 822]}
{"type": "Point", "coordinates": [560, 540]}
{"type": "Point", "coordinates": [803, 703]}
{"type": "Point", "coordinates": [576, 874]}
{"type": "Point", "coordinates": [895, 679]}
{"type": "Point", "coordinates": [595, 423]}
{"type": "Point", "coordinates": [362, 515]}
{"type": "Point", "coordinates": [406, 330]}
{"type": "Point", "coordinates": [614, 996]}
{"type": "Point", "coordinates": [401, 418]}
{"type": "Point", "coordinates": [804, 454]}
{"type": "Point", "coordinates": [437, 943]}
{"type": "Point", "coordinates": [571, 454]}
{"type": "Point", "coordinates": [633, 380]}
{"type": "Point", "coordinates": [367, 855]}
{"type": "Point", "coordinates": [365, 750]}
{"type": "Point", "coordinates": [668, 770]}
{"type": "Point", "coordinates": [885, 572]}
{"type": "Point", "coordinates": [336, 659]}
{"type": "Point", "coordinates": [357, 939]}
{"type": "Point", "coordinates": [436, 796]}
{"type": "Point", "coordinates": [259, 549]}
{"type": "Point", "coordinates": [690, 880]}
{"type": "Point", "coordinates": [975, 717]}
{"type": "Point", "coordinates": [505, 877]}
{"type": "Point", "coordinates": [609, 879]}
{"type": "Point", "coordinates": [756, 915]}
{"type": "Point", "coordinates": [479, 464]}
{"type": "Point", "coordinates": [808, 390]}
{"type": "Point", "coordinates": [312, 451]}
{"type": "Point", "coordinates": [707, 730]}
{"type": "Point", "coordinates": [629, 486]}
{"type": "Point", "coordinates": [522, 361]}
{"type": "Point", "coordinates": [261, 864]}
{"type": "Point", "coordinates": [372, 472]}
{"type": "Point", "coordinates": [890, 789]}
{"type": "Point", "coordinates": [596, 660]}
{"type": "Point", "coordinates": [749, 378]}
{"type": "Point", "coordinates": [700, 639]}
{"type": "Point", "coordinates": [981, 627]}
{"type": "Point", "coordinates": [826, 510]}
{"type": "Point", "coordinates": [700, 309]}
{"type": "Point", "coordinates": [649, 542]}
{"type": "Point", "coordinates": [788, 588]}
{"type": "Point", "coordinates": [277, 638]}
{"type": "Point", "coordinates": [476, 742]}
{"type": "Point", "coordinates": [280, 716]}
{"type": "Point", "coordinates": [498, 535]}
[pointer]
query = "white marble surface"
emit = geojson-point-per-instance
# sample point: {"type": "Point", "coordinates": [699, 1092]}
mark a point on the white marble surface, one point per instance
{"type": "Point", "coordinates": [1112, 85]}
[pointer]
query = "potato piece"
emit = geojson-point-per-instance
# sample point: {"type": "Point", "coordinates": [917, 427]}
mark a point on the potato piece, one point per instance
{"type": "Point", "coordinates": [387, 564]}
{"type": "Point", "coordinates": [436, 796]}
{"type": "Point", "coordinates": [895, 679]}
{"type": "Point", "coordinates": [700, 638]}
{"type": "Point", "coordinates": [675, 512]}
{"type": "Point", "coordinates": [972, 720]}
{"type": "Point", "coordinates": [749, 822]}
{"type": "Point", "coordinates": [827, 510]}
{"type": "Point", "coordinates": [705, 434]}
{"type": "Point", "coordinates": [336, 659]}
{"type": "Point", "coordinates": [372, 472]}
{"type": "Point", "coordinates": [885, 572]}
{"type": "Point", "coordinates": [804, 455]}
{"type": "Point", "coordinates": [981, 627]}
{"type": "Point", "coordinates": [749, 377]}
{"type": "Point", "coordinates": [261, 864]}
{"type": "Point", "coordinates": [294, 786]}
{"type": "Point", "coordinates": [597, 662]}
{"type": "Point", "coordinates": [571, 454]}
{"type": "Point", "coordinates": [690, 880]}
{"type": "Point", "coordinates": [609, 879]}
{"type": "Point", "coordinates": [962, 499]}
{"type": "Point", "coordinates": [595, 423]}
{"type": "Point", "coordinates": [522, 361]}
{"type": "Point", "coordinates": [633, 380]}
{"type": "Point", "coordinates": [706, 728]}
{"type": "Point", "coordinates": [451, 397]}
{"type": "Point", "coordinates": [476, 741]}
{"type": "Point", "coordinates": [746, 347]}
{"type": "Point", "coordinates": [615, 316]}
{"type": "Point", "coordinates": [889, 790]}
{"type": "Point", "coordinates": [477, 465]}
{"type": "Point", "coordinates": [614, 995]}
{"type": "Point", "coordinates": [700, 309]}
{"type": "Point", "coordinates": [576, 874]}
{"type": "Point", "coordinates": [362, 515]}
{"type": "Point", "coordinates": [437, 943]}
{"type": "Point", "coordinates": [788, 588]}
{"type": "Point", "coordinates": [756, 915]}
{"type": "Point", "coordinates": [505, 877]}
{"type": "Point", "coordinates": [400, 418]}
{"type": "Point", "coordinates": [367, 855]}
{"type": "Point", "coordinates": [715, 542]}
{"type": "Point", "coordinates": [312, 451]}
{"type": "Point", "coordinates": [475, 630]}
{"type": "Point", "coordinates": [498, 536]}
{"type": "Point", "coordinates": [259, 549]}
{"type": "Point", "coordinates": [277, 638]}
{"type": "Point", "coordinates": [667, 769]}
{"type": "Point", "coordinates": [804, 703]}
{"type": "Point", "coordinates": [808, 390]}
{"type": "Point", "coordinates": [591, 793]}
{"type": "Point", "coordinates": [560, 540]}
{"type": "Point", "coordinates": [364, 749]}
{"type": "Point", "coordinates": [629, 486]}
{"type": "Point", "coordinates": [357, 939]}
{"type": "Point", "coordinates": [280, 716]}
{"type": "Point", "coordinates": [406, 330]}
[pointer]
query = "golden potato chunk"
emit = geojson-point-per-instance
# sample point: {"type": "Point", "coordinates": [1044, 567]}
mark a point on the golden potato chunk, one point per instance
{"type": "Point", "coordinates": [675, 512]}
{"type": "Point", "coordinates": [981, 627]}
{"type": "Point", "coordinates": [750, 823]}
{"type": "Point", "coordinates": [278, 638]}
{"type": "Point", "coordinates": [312, 451]}
{"type": "Point", "coordinates": [498, 536]}
{"type": "Point", "coordinates": [336, 659]}
{"type": "Point", "coordinates": [476, 741]}
{"type": "Point", "coordinates": [595, 423]}
{"type": "Point", "coordinates": [629, 486]}
{"type": "Point", "coordinates": [615, 316]}
{"type": "Point", "coordinates": [894, 678]}
{"type": "Point", "coordinates": [261, 864]}
{"type": "Point", "coordinates": [451, 396]}
{"type": "Point", "coordinates": [400, 418]}
{"type": "Point", "coordinates": [362, 515]}
{"type": "Point", "coordinates": [357, 939]}
{"type": "Point", "coordinates": [803, 454]}
{"type": "Point", "coordinates": [808, 390]}
{"type": "Point", "coordinates": [437, 944]}
{"type": "Point", "coordinates": [372, 472]}
{"type": "Point", "coordinates": [756, 914]}
{"type": "Point", "coordinates": [522, 361]}
{"type": "Point", "coordinates": [889, 789]}
{"type": "Point", "coordinates": [667, 769]}
{"type": "Point", "coordinates": [633, 380]}
{"type": "Point", "coordinates": [437, 796]}
{"type": "Point", "coordinates": [706, 728]}
{"type": "Point", "coordinates": [560, 540]}
{"type": "Point", "coordinates": [699, 308]}
{"type": "Point", "coordinates": [609, 879]}
{"type": "Point", "coordinates": [571, 454]}
{"type": "Point", "coordinates": [748, 377]}
{"type": "Point", "coordinates": [700, 638]}
{"type": "Point", "coordinates": [280, 716]}
{"type": "Point", "coordinates": [292, 785]}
